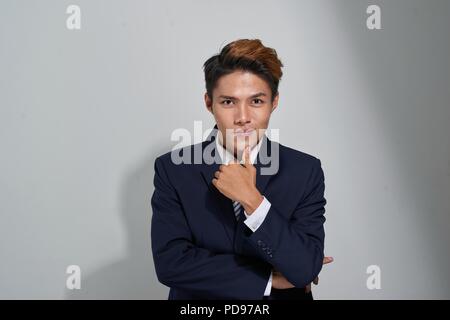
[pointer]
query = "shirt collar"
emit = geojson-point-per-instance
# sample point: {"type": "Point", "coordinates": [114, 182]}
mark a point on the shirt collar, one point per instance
{"type": "Point", "coordinates": [226, 156]}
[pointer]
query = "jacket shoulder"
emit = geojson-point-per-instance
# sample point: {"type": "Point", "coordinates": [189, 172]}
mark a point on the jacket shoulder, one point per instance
{"type": "Point", "coordinates": [297, 156]}
{"type": "Point", "coordinates": [184, 155]}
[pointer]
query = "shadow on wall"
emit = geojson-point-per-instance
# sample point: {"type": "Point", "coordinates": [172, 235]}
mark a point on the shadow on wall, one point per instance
{"type": "Point", "coordinates": [132, 277]}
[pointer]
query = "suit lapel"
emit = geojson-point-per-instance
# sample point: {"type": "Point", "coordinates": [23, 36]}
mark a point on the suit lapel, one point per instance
{"type": "Point", "coordinates": [221, 205]}
{"type": "Point", "coordinates": [262, 180]}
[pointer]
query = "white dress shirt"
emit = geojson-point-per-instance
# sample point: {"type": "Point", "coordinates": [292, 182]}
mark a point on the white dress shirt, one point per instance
{"type": "Point", "coordinates": [254, 220]}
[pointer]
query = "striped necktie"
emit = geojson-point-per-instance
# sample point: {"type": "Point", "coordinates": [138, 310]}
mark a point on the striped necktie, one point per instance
{"type": "Point", "coordinates": [238, 211]}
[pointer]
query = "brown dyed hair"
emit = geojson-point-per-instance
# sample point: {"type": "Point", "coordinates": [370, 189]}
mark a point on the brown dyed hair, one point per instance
{"type": "Point", "coordinates": [246, 55]}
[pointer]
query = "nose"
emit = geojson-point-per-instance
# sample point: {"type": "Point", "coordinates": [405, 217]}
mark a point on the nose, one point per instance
{"type": "Point", "coordinates": [242, 114]}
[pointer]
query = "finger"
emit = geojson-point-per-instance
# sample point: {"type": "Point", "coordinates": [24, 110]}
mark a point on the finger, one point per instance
{"type": "Point", "coordinates": [217, 174]}
{"type": "Point", "coordinates": [308, 288]}
{"type": "Point", "coordinates": [327, 260]}
{"type": "Point", "coordinates": [316, 281]}
{"type": "Point", "coordinates": [214, 182]}
{"type": "Point", "coordinates": [247, 156]}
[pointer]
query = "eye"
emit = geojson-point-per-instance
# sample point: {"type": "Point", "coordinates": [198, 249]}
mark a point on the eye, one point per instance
{"type": "Point", "coordinates": [257, 101]}
{"type": "Point", "coordinates": [226, 102]}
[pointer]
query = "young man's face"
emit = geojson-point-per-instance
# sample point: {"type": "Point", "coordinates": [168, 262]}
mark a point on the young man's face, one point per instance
{"type": "Point", "coordinates": [242, 104]}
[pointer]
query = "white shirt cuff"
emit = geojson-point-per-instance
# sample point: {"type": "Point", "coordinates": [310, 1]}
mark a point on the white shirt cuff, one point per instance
{"type": "Point", "coordinates": [269, 286]}
{"type": "Point", "coordinates": [255, 219]}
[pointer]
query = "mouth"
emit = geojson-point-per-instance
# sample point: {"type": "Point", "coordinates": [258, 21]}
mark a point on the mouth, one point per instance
{"type": "Point", "coordinates": [244, 133]}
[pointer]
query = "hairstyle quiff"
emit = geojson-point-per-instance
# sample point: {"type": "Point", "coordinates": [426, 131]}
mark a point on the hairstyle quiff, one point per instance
{"type": "Point", "coordinates": [246, 55]}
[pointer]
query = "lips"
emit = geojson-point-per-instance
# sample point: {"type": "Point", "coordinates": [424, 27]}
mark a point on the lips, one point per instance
{"type": "Point", "coordinates": [244, 133]}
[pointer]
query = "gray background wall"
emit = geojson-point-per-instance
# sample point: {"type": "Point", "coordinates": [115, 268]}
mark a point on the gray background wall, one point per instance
{"type": "Point", "coordinates": [84, 113]}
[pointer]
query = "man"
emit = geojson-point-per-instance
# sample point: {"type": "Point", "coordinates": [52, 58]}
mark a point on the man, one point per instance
{"type": "Point", "coordinates": [226, 230]}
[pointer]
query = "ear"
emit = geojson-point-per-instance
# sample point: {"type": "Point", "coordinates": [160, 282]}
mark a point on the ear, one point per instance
{"type": "Point", "coordinates": [275, 102]}
{"type": "Point", "coordinates": [208, 102]}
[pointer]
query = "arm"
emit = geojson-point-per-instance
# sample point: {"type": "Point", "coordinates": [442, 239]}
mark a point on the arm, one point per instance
{"type": "Point", "coordinates": [179, 263]}
{"type": "Point", "coordinates": [294, 247]}
{"type": "Point", "coordinates": [253, 221]}
{"type": "Point", "coordinates": [277, 280]}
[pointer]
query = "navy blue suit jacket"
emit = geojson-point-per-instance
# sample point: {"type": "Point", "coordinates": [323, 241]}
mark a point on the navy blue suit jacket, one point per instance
{"type": "Point", "coordinates": [199, 249]}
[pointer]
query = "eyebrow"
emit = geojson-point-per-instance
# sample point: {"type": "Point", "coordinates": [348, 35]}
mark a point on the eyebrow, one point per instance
{"type": "Point", "coordinates": [256, 95]}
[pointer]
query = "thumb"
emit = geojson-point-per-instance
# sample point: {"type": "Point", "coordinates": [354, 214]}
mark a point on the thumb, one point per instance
{"type": "Point", "coordinates": [327, 260]}
{"type": "Point", "coordinates": [246, 156]}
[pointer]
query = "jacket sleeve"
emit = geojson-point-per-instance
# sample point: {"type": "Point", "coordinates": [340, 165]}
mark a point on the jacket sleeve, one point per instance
{"type": "Point", "coordinates": [179, 263]}
{"type": "Point", "coordinates": [294, 246]}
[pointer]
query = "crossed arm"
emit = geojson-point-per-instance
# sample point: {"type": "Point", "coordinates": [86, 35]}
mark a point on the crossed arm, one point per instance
{"type": "Point", "coordinates": [179, 263]}
{"type": "Point", "coordinates": [296, 247]}
{"type": "Point", "coordinates": [292, 246]}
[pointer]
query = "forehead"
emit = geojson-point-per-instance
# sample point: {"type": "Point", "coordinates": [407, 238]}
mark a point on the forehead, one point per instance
{"type": "Point", "coordinates": [241, 84]}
